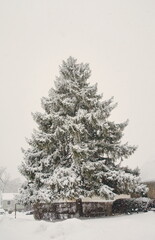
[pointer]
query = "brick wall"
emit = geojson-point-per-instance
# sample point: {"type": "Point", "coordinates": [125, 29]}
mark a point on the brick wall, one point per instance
{"type": "Point", "coordinates": [64, 210]}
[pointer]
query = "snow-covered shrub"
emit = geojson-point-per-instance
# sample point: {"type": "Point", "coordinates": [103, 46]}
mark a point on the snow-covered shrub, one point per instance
{"type": "Point", "coordinates": [131, 205]}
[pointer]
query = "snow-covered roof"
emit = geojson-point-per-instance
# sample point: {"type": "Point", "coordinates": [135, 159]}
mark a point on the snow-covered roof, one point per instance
{"type": "Point", "coordinates": [149, 180]}
{"type": "Point", "coordinates": [8, 196]}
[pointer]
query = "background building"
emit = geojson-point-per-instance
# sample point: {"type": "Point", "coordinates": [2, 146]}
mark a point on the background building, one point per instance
{"type": "Point", "coordinates": [8, 201]}
{"type": "Point", "coordinates": [151, 186]}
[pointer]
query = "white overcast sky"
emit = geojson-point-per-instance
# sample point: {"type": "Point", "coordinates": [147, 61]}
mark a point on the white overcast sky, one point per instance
{"type": "Point", "coordinates": [117, 39]}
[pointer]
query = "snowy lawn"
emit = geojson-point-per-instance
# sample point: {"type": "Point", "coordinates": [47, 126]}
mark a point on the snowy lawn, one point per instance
{"type": "Point", "coordinates": [128, 227]}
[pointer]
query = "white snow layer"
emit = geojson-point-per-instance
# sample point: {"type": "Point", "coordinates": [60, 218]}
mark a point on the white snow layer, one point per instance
{"type": "Point", "coordinates": [9, 196]}
{"type": "Point", "coordinates": [127, 227]}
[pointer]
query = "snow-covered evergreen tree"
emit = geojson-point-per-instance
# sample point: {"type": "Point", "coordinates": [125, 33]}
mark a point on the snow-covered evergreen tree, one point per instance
{"type": "Point", "coordinates": [76, 150]}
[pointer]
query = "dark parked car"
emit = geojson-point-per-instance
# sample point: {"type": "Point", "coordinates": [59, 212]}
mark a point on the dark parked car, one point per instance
{"type": "Point", "coordinates": [29, 212]}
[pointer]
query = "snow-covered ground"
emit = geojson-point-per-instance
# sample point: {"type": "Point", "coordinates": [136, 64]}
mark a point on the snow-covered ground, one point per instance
{"type": "Point", "coordinates": [129, 227]}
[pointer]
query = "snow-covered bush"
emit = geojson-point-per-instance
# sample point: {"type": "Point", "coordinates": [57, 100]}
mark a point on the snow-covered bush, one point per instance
{"type": "Point", "coordinates": [131, 205]}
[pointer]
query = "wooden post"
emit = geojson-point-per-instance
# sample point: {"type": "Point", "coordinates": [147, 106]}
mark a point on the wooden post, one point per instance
{"type": "Point", "coordinates": [15, 209]}
{"type": "Point", "coordinates": [79, 208]}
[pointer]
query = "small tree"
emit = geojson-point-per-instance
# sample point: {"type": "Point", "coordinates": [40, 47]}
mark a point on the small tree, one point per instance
{"type": "Point", "coordinates": [4, 179]}
{"type": "Point", "coordinates": [76, 151]}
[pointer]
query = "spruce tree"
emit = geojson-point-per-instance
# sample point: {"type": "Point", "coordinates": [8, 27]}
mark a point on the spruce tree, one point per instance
{"type": "Point", "coordinates": [76, 150]}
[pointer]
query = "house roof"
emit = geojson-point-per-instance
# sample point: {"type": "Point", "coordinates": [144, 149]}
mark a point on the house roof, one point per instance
{"type": "Point", "coordinates": [149, 181]}
{"type": "Point", "coordinates": [8, 196]}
